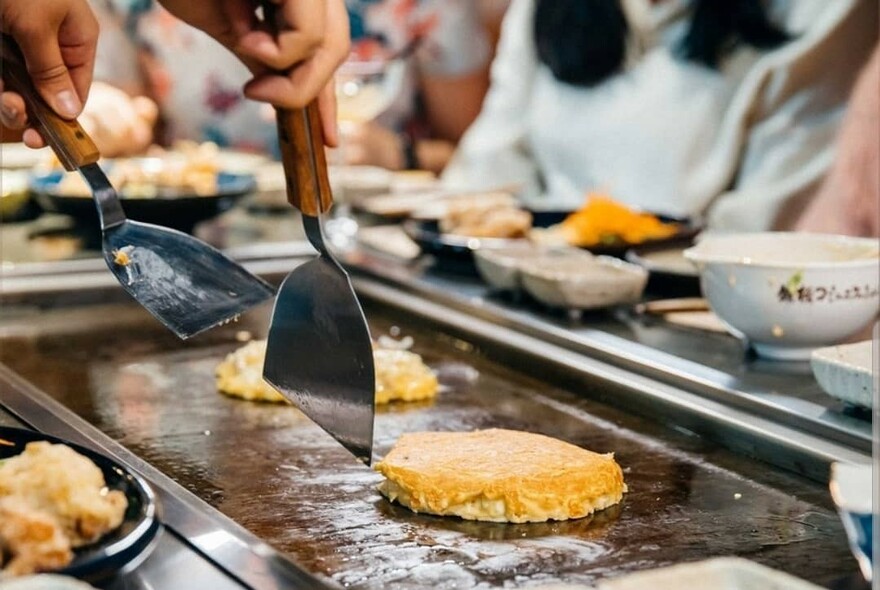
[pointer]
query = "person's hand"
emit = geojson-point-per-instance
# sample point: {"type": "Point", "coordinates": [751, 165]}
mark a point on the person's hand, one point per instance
{"type": "Point", "coordinates": [58, 39]}
{"type": "Point", "coordinates": [370, 144]}
{"type": "Point", "coordinates": [119, 124]}
{"type": "Point", "coordinates": [291, 68]}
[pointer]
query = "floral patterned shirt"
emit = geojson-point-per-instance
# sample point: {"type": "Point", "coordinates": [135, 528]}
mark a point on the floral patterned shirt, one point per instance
{"type": "Point", "coordinates": [197, 83]}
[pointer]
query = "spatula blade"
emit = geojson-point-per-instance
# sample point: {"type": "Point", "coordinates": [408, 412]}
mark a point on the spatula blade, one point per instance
{"type": "Point", "coordinates": [186, 284]}
{"type": "Point", "coordinates": [315, 354]}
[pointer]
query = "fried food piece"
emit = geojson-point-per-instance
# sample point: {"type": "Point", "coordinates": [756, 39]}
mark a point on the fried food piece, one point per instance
{"type": "Point", "coordinates": [58, 481]}
{"type": "Point", "coordinates": [34, 540]}
{"type": "Point", "coordinates": [487, 219]}
{"type": "Point", "coordinates": [603, 220]}
{"type": "Point", "coordinates": [241, 374]}
{"type": "Point", "coordinates": [122, 257]}
{"type": "Point", "coordinates": [499, 476]}
{"type": "Point", "coordinates": [400, 375]}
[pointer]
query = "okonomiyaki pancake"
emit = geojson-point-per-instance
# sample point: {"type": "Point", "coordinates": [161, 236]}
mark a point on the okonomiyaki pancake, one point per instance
{"type": "Point", "coordinates": [499, 476]}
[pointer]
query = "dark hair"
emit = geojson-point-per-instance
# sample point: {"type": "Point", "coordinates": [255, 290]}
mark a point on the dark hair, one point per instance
{"type": "Point", "coordinates": [583, 42]}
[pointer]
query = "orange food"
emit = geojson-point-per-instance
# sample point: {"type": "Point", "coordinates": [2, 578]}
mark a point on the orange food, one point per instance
{"type": "Point", "coordinates": [605, 221]}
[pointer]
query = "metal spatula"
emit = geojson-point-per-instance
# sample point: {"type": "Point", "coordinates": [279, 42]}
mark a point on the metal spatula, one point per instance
{"type": "Point", "coordinates": [319, 353]}
{"type": "Point", "coordinates": [188, 285]}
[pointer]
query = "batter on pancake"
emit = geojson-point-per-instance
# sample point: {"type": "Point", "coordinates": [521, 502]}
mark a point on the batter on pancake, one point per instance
{"type": "Point", "coordinates": [499, 475]}
{"type": "Point", "coordinates": [400, 375]}
{"type": "Point", "coordinates": [241, 374]}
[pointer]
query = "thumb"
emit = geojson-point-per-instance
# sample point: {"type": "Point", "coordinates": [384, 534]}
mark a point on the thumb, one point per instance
{"type": "Point", "coordinates": [48, 71]}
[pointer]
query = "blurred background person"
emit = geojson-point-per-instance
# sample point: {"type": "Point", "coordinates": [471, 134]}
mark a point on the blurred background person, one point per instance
{"type": "Point", "coordinates": [159, 80]}
{"type": "Point", "coordinates": [849, 200]}
{"type": "Point", "coordinates": [726, 109]}
{"type": "Point", "coordinates": [448, 47]}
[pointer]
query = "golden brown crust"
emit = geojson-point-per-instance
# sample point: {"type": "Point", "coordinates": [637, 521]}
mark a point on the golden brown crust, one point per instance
{"type": "Point", "coordinates": [34, 540]}
{"type": "Point", "coordinates": [55, 479]}
{"type": "Point", "coordinates": [499, 475]}
{"type": "Point", "coordinates": [52, 499]}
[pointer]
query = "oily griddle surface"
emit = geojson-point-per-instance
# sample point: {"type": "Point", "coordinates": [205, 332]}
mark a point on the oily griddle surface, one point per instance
{"type": "Point", "coordinates": [277, 474]}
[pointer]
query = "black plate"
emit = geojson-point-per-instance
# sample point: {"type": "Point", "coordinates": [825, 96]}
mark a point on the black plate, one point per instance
{"type": "Point", "coordinates": [178, 211]}
{"type": "Point", "coordinates": [663, 279]}
{"type": "Point", "coordinates": [121, 549]}
{"type": "Point", "coordinates": [456, 253]}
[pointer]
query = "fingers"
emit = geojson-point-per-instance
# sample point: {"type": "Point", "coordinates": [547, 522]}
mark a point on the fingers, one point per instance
{"type": "Point", "coordinates": [78, 40]}
{"type": "Point", "coordinates": [32, 139]}
{"type": "Point", "coordinates": [309, 55]}
{"type": "Point", "coordinates": [300, 33]}
{"type": "Point", "coordinates": [12, 110]}
{"type": "Point", "coordinates": [296, 89]}
{"type": "Point", "coordinates": [59, 49]}
{"type": "Point", "coordinates": [13, 115]}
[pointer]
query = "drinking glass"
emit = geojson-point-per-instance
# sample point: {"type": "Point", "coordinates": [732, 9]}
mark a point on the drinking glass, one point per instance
{"type": "Point", "coordinates": [364, 90]}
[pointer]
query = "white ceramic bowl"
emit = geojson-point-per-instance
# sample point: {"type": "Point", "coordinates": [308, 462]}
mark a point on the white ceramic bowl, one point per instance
{"type": "Point", "coordinates": [583, 284]}
{"type": "Point", "coordinates": [354, 182]}
{"type": "Point", "coordinates": [789, 293]}
{"type": "Point", "coordinates": [847, 372]}
{"type": "Point", "coordinates": [501, 267]}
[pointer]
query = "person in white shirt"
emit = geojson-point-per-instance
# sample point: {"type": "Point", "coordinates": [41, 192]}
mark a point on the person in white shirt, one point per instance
{"type": "Point", "coordinates": [719, 110]}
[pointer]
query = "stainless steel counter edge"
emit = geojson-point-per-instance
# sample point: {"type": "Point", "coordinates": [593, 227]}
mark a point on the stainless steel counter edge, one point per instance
{"type": "Point", "coordinates": [231, 548]}
{"type": "Point", "coordinates": [631, 356]}
{"type": "Point", "coordinates": [742, 431]}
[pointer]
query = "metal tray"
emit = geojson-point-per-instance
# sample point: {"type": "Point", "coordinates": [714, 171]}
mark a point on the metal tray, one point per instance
{"type": "Point", "coordinates": [275, 473]}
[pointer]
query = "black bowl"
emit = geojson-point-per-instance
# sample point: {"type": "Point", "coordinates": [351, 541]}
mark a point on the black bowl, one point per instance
{"type": "Point", "coordinates": [456, 253]}
{"type": "Point", "coordinates": [121, 549]}
{"type": "Point", "coordinates": [181, 211]}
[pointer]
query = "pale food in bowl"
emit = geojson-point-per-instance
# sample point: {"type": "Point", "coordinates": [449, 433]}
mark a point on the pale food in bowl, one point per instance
{"type": "Point", "coordinates": [52, 501]}
{"type": "Point", "coordinates": [789, 293]}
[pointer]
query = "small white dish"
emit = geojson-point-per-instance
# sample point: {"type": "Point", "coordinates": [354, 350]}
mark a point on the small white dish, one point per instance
{"type": "Point", "coordinates": [720, 573]}
{"type": "Point", "coordinates": [501, 267]}
{"type": "Point", "coordinates": [439, 208]}
{"type": "Point", "coordinates": [406, 181]}
{"type": "Point", "coordinates": [789, 293]}
{"type": "Point", "coordinates": [847, 372]}
{"type": "Point", "coordinates": [577, 284]}
{"type": "Point", "coordinates": [851, 489]}
{"type": "Point", "coordinates": [360, 181]}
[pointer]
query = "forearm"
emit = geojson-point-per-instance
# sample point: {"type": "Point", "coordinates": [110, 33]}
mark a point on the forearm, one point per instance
{"type": "Point", "coordinates": [847, 202]}
{"type": "Point", "coordinates": [453, 103]}
{"type": "Point", "coordinates": [434, 154]}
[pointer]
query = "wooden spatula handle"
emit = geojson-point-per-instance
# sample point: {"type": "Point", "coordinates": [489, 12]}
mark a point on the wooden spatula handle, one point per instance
{"type": "Point", "coordinates": [305, 164]}
{"type": "Point", "coordinates": [70, 142]}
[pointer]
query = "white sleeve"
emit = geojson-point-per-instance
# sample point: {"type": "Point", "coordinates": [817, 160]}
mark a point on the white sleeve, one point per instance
{"type": "Point", "coordinates": [793, 117]}
{"type": "Point", "coordinates": [494, 150]}
{"type": "Point", "coordinates": [459, 45]}
{"type": "Point", "coordinates": [116, 59]}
